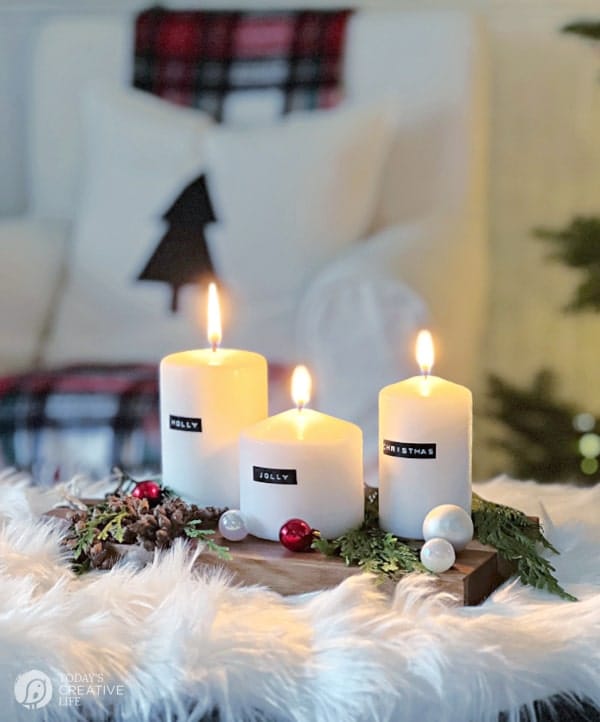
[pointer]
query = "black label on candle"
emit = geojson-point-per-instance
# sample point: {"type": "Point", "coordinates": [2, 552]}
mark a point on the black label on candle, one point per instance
{"type": "Point", "coordinates": [274, 476]}
{"type": "Point", "coordinates": [409, 451]}
{"type": "Point", "coordinates": [185, 423]}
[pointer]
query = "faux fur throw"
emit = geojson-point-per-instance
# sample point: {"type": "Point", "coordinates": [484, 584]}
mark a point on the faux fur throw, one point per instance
{"type": "Point", "coordinates": [166, 643]}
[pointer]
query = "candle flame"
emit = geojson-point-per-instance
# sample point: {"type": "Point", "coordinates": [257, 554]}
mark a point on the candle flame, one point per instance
{"type": "Point", "coordinates": [425, 355]}
{"type": "Point", "coordinates": [301, 386]}
{"type": "Point", "coordinates": [214, 317]}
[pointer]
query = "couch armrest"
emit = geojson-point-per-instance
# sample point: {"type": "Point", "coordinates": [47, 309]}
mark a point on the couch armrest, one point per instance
{"type": "Point", "coordinates": [357, 321]}
{"type": "Point", "coordinates": [32, 264]}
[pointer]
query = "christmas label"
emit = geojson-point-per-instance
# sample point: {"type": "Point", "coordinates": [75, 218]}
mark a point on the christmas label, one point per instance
{"type": "Point", "coordinates": [274, 476]}
{"type": "Point", "coordinates": [185, 423]}
{"type": "Point", "coordinates": [409, 451]}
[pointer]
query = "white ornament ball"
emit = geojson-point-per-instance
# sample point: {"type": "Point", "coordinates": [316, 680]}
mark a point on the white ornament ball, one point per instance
{"type": "Point", "coordinates": [437, 555]}
{"type": "Point", "coordinates": [232, 525]}
{"type": "Point", "coordinates": [449, 522]}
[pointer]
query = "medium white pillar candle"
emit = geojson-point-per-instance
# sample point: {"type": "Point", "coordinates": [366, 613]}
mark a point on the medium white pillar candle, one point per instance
{"type": "Point", "coordinates": [425, 431]}
{"type": "Point", "coordinates": [303, 464]}
{"type": "Point", "coordinates": [207, 396]}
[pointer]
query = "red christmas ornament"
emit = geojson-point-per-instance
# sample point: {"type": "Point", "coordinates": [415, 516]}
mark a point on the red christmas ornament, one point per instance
{"type": "Point", "coordinates": [296, 535]}
{"type": "Point", "coordinates": [147, 490]}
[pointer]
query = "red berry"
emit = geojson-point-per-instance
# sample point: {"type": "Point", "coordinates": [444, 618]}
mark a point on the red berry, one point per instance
{"type": "Point", "coordinates": [296, 535]}
{"type": "Point", "coordinates": [147, 490]}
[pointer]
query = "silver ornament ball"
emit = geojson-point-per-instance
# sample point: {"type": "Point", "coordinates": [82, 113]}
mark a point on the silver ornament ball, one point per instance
{"type": "Point", "coordinates": [232, 525]}
{"type": "Point", "coordinates": [449, 522]}
{"type": "Point", "coordinates": [437, 555]}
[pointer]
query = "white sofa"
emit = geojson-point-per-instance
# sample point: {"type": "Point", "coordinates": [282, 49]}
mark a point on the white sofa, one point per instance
{"type": "Point", "coordinates": [425, 260]}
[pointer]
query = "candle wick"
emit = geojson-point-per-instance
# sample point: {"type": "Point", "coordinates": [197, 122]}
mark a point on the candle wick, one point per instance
{"type": "Point", "coordinates": [300, 406]}
{"type": "Point", "coordinates": [214, 345]}
{"type": "Point", "coordinates": [425, 390]}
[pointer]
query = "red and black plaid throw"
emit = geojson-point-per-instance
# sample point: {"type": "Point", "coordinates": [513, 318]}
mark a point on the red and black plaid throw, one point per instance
{"type": "Point", "coordinates": [84, 418]}
{"type": "Point", "coordinates": [240, 65]}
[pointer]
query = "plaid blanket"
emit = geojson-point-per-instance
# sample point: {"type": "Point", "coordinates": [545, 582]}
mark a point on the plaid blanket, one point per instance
{"type": "Point", "coordinates": [241, 66]}
{"type": "Point", "coordinates": [89, 418]}
{"type": "Point", "coordinates": [80, 419]}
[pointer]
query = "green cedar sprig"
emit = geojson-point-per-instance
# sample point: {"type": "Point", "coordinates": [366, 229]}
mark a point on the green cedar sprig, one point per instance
{"type": "Point", "coordinates": [517, 539]}
{"type": "Point", "coordinates": [204, 535]}
{"type": "Point", "coordinates": [99, 525]}
{"type": "Point", "coordinates": [371, 548]}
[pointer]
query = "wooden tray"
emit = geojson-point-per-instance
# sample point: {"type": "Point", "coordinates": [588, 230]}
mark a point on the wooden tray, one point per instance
{"type": "Point", "coordinates": [478, 569]}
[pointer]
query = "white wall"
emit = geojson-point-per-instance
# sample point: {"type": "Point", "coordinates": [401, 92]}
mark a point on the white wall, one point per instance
{"type": "Point", "coordinates": [545, 167]}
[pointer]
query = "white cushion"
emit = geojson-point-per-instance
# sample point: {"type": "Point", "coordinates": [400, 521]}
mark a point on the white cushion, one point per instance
{"type": "Point", "coordinates": [430, 59]}
{"type": "Point", "coordinates": [71, 51]}
{"type": "Point", "coordinates": [140, 154]}
{"type": "Point", "coordinates": [356, 329]}
{"type": "Point", "coordinates": [31, 264]}
{"type": "Point", "coordinates": [289, 197]}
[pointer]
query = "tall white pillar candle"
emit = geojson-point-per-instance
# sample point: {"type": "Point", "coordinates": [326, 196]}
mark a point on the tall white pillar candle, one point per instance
{"type": "Point", "coordinates": [207, 396]}
{"type": "Point", "coordinates": [425, 431]}
{"type": "Point", "coordinates": [303, 464]}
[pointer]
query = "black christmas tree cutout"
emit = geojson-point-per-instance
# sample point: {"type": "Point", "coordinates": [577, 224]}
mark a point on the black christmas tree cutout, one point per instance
{"type": "Point", "coordinates": [182, 256]}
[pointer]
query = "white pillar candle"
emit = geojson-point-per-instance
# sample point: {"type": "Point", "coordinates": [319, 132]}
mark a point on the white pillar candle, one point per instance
{"type": "Point", "coordinates": [303, 464]}
{"type": "Point", "coordinates": [425, 425]}
{"type": "Point", "coordinates": [207, 396]}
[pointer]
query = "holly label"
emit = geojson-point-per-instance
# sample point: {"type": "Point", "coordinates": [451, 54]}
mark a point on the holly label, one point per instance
{"type": "Point", "coordinates": [185, 423]}
{"type": "Point", "coordinates": [274, 476]}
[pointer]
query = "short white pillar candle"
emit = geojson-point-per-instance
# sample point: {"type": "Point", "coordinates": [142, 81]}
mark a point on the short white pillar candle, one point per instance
{"type": "Point", "coordinates": [207, 396]}
{"type": "Point", "coordinates": [303, 464]}
{"type": "Point", "coordinates": [425, 430]}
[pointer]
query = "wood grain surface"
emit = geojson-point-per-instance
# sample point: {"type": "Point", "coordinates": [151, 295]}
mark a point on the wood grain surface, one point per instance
{"type": "Point", "coordinates": [475, 574]}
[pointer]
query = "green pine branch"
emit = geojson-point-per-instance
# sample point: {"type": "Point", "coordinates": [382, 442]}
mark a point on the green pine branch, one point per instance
{"type": "Point", "coordinates": [589, 29]}
{"type": "Point", "coordinates": [538, 429]}
{"type": "Point", "coordinates": [578, 246]}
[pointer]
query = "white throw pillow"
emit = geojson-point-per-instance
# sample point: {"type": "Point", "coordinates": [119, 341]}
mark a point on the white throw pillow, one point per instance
{"type": "Point", "coordinates": [140, 153]}
{"type": "Point", "coordinates": [289, 197]}
{"type": "Point", "coordinates": [358, 321]}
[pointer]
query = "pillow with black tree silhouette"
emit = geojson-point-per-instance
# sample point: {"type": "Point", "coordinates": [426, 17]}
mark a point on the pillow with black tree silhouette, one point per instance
{"type": "Point", "coordinates": [143, 211]}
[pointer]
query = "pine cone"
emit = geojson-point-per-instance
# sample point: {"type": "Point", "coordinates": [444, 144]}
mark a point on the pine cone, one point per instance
{"type": "Point", "coordinates": [129, 537]}
{"type": "Point", "coordinates": [177, 517]}
{"type": "Point", "coordinates": [164, 522]}
{"type": "Point", "coordinates": [102, 557]}
{"type": "Point", "coordinates": [150, 527]}
{"type": "Point", "coordinates": [163, 540]}
{"type": "Point", "coordinates": [149, 545]}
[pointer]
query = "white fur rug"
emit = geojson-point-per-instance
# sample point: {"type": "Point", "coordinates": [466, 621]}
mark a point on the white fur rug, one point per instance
{"type": "Point", "coordinates": [167, 644]}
